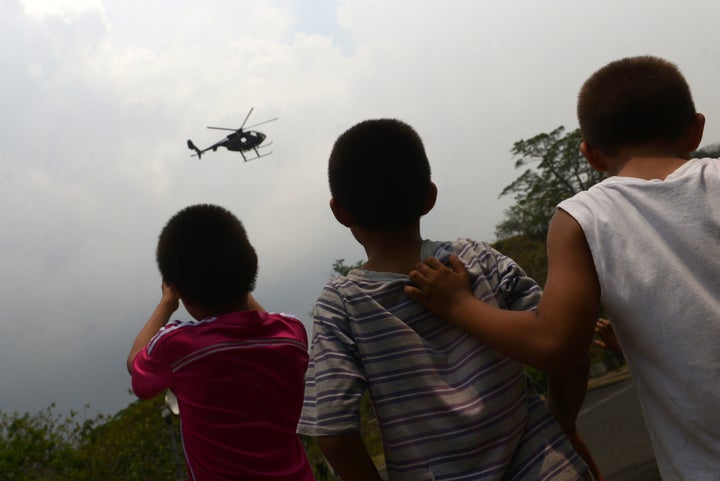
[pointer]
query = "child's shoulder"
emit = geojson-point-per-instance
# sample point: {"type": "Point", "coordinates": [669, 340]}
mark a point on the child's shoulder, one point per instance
{"type": "Point", "coordinates": [292, 321]}
{"type": "Point", "coordinates": [169, 331]}
{"type": "Point", "coordinates": [249, 326]}
{"type": "Point", "coordinates": [261, 319]}
{"type": "Point", "coordinates": [468, 250]}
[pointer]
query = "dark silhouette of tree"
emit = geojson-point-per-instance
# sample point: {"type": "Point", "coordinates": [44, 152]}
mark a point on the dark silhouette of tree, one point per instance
{"type": "Point", "coordinates": [712, 151]}
{"type": "Point", "coordinates": [341, 269]}
{"type": "Point", "coordinates": [554, 170]}
{"type": "Point", "coordinates": [133, 445]}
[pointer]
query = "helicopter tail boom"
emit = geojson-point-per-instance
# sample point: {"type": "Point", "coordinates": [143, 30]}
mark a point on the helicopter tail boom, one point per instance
{"type": "Point", "coordinates": [192, 146]}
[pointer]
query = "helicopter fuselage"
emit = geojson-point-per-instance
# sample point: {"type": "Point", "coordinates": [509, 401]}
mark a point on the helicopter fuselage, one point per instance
{"type": "Point", "coordinates": [241, 141]}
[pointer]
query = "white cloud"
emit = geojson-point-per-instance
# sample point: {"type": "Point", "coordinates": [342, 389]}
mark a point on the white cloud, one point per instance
{"type": "Point", "coordinates": [66, 9]}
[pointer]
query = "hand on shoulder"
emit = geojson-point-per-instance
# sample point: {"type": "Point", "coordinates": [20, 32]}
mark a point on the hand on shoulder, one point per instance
{"type": "Point", "coordinates": [438, 288]}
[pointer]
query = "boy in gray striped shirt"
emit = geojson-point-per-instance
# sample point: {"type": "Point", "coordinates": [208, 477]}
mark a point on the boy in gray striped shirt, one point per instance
{"type": "Point", "coordinates": [449, 408]}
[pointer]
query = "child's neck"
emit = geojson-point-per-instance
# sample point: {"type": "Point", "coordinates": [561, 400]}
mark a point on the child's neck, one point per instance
{"type": "Point", "coordinates": [199, 312]}
{"type": "Point", "coordinates": [391, 251]}
{"type": "Point", "coordinates": [646, 163]}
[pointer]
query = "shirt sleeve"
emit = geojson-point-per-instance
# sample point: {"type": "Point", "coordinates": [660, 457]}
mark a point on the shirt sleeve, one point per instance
{"type": "Point", "coordinates": [496, 278]}
{"type": "Point", "coordinates": [151, 369]}
{"type": "Point", "coordinates": [335, 378]}
{"type": "Point", "coordinates": [520, 292]}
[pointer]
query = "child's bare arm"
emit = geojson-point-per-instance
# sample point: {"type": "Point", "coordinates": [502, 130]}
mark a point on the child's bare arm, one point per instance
{"type": "Point", "coordinates": [557, 337]}
{"type": "Point", "coordinates": [349, 457]}
{"type": "Point", "coordinates": [566, 395]}
{"type": "Point", "coordinates": [168, 304]}
{"type": "Point", "coordinates": [581, 448]}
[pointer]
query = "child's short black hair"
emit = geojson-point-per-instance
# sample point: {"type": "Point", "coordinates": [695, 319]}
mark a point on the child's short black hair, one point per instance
{"type": "Point", "coordinates": [379, 174]}
{"type": "Point", "coordinates": [204, 252]}
{"type": "Point", "coordinates": [633, 101]}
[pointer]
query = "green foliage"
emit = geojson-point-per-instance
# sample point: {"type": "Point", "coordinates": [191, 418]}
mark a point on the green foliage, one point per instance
{"type": "Point", "coordinates": [555, 170]}
{"type": "Point", "coordinates": [316, 459]}
{"type": "Point", "coordinates": [340, 268]}
{"type": "Point", "coordinates": [370, 430]}
{"type": "Point", "coordinates": [712, 151]}
{"type": "Point", "coordinates": [528, 252]}
{"type": "Point", "coordinates": [41, 446]}
{"type": "Point", "coordinates": [538, 378]}
{"type": "Point", "coordinates": [133, 445]}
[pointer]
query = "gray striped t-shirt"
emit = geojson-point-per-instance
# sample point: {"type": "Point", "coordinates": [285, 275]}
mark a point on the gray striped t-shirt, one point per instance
{"type": "Point", "coordinates": [449, 407]}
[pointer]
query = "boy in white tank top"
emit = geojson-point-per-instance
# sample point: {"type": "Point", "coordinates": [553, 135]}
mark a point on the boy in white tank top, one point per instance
{"type": "Point", "coordinates": [644, 244]}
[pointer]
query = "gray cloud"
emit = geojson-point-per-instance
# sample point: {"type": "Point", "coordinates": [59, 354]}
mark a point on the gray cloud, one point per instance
{"type": "Point", "coordinates": [98, 102]}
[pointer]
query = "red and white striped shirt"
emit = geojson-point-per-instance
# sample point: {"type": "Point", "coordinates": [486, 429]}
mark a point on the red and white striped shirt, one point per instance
{"type": "Point", "coordinates": [239, 382]}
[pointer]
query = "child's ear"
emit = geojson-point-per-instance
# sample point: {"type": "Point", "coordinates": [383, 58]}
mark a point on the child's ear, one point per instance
{"type": "Point", "coordinates": [593, 156]}
{"type": "Point", "coordinates": [340, 214]}
{"type": "Point", "coordinates": [694, 133]}
{"type": "Point", "coordinates": [192, 308]}
{"type": "Point", "coordinates": [431, 198]}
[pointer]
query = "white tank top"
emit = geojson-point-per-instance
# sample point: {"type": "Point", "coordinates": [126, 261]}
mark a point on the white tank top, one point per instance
{"type": "Point", "coordinates": [656, 249]}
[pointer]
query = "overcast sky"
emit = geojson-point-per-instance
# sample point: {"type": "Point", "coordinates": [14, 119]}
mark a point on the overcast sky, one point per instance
{"type": "Point", "coordinates": [99, 97]}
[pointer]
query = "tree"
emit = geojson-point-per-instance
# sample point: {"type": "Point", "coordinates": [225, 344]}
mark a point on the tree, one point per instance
{"type": "Point", "coordinates": [527, 252]}
{"type": "Point", "coordinates": [133, 445]}
{"type": "Point", "coordinates": [560, 171]}
{"type": "Point", "coordinates": [41, 446]}
{"type": "Point", "coordinates": [341, 269]}
{"type": "Point", "coordinates": [712, 151]}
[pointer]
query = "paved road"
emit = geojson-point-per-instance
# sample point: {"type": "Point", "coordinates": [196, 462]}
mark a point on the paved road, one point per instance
{"type": "Point", "coordinates": [613, 427]}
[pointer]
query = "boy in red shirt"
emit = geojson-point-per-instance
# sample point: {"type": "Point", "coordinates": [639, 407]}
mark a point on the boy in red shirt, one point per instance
{"type": "Point", "coordinates": [237, 371]}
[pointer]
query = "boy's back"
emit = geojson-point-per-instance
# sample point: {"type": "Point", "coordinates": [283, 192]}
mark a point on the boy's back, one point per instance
{"type": "Point", "coordinates": [448, 406]}
{"type": "Point", "coordinates": [236, 378]}
{"type": "Point", "coordinates": [655, 248]}
{"type": "Point", "coordinates": [237, 371]}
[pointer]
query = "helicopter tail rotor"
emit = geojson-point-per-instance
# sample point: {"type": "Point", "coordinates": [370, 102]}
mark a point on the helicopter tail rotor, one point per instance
{"type": "Point", "coordinates": [192, 146]}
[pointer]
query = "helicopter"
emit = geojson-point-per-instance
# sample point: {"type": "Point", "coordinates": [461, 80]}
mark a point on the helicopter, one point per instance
{"type": "Point", "coordinates": [239, 140]}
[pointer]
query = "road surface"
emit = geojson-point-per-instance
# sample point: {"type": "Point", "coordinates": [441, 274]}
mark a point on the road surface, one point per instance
{"type": "Point", "coordinates": [613, 427]}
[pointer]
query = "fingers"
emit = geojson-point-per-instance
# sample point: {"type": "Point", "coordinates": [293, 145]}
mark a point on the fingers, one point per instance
{"type": "Point", "coordinates": [457, 264]}
{"type": "Point", "coordinates": [431, 271]}
{"type": "Point", "coordinates": [427, 267]}
{"type": "Point", "coordinates": [421, 269]}
{"type": "Point", "coordinates": [434, 264]}
{"type": "Point", "coordinates": [418, 276]}
{"type": "Point", "coordinates": [413, 293]}
{"type": "Point", "coordinates": [602, 324]}
{"type": "Point", "coordinates": [422, 277]}
{"type": "Point", "coordinates": [424, 270]}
